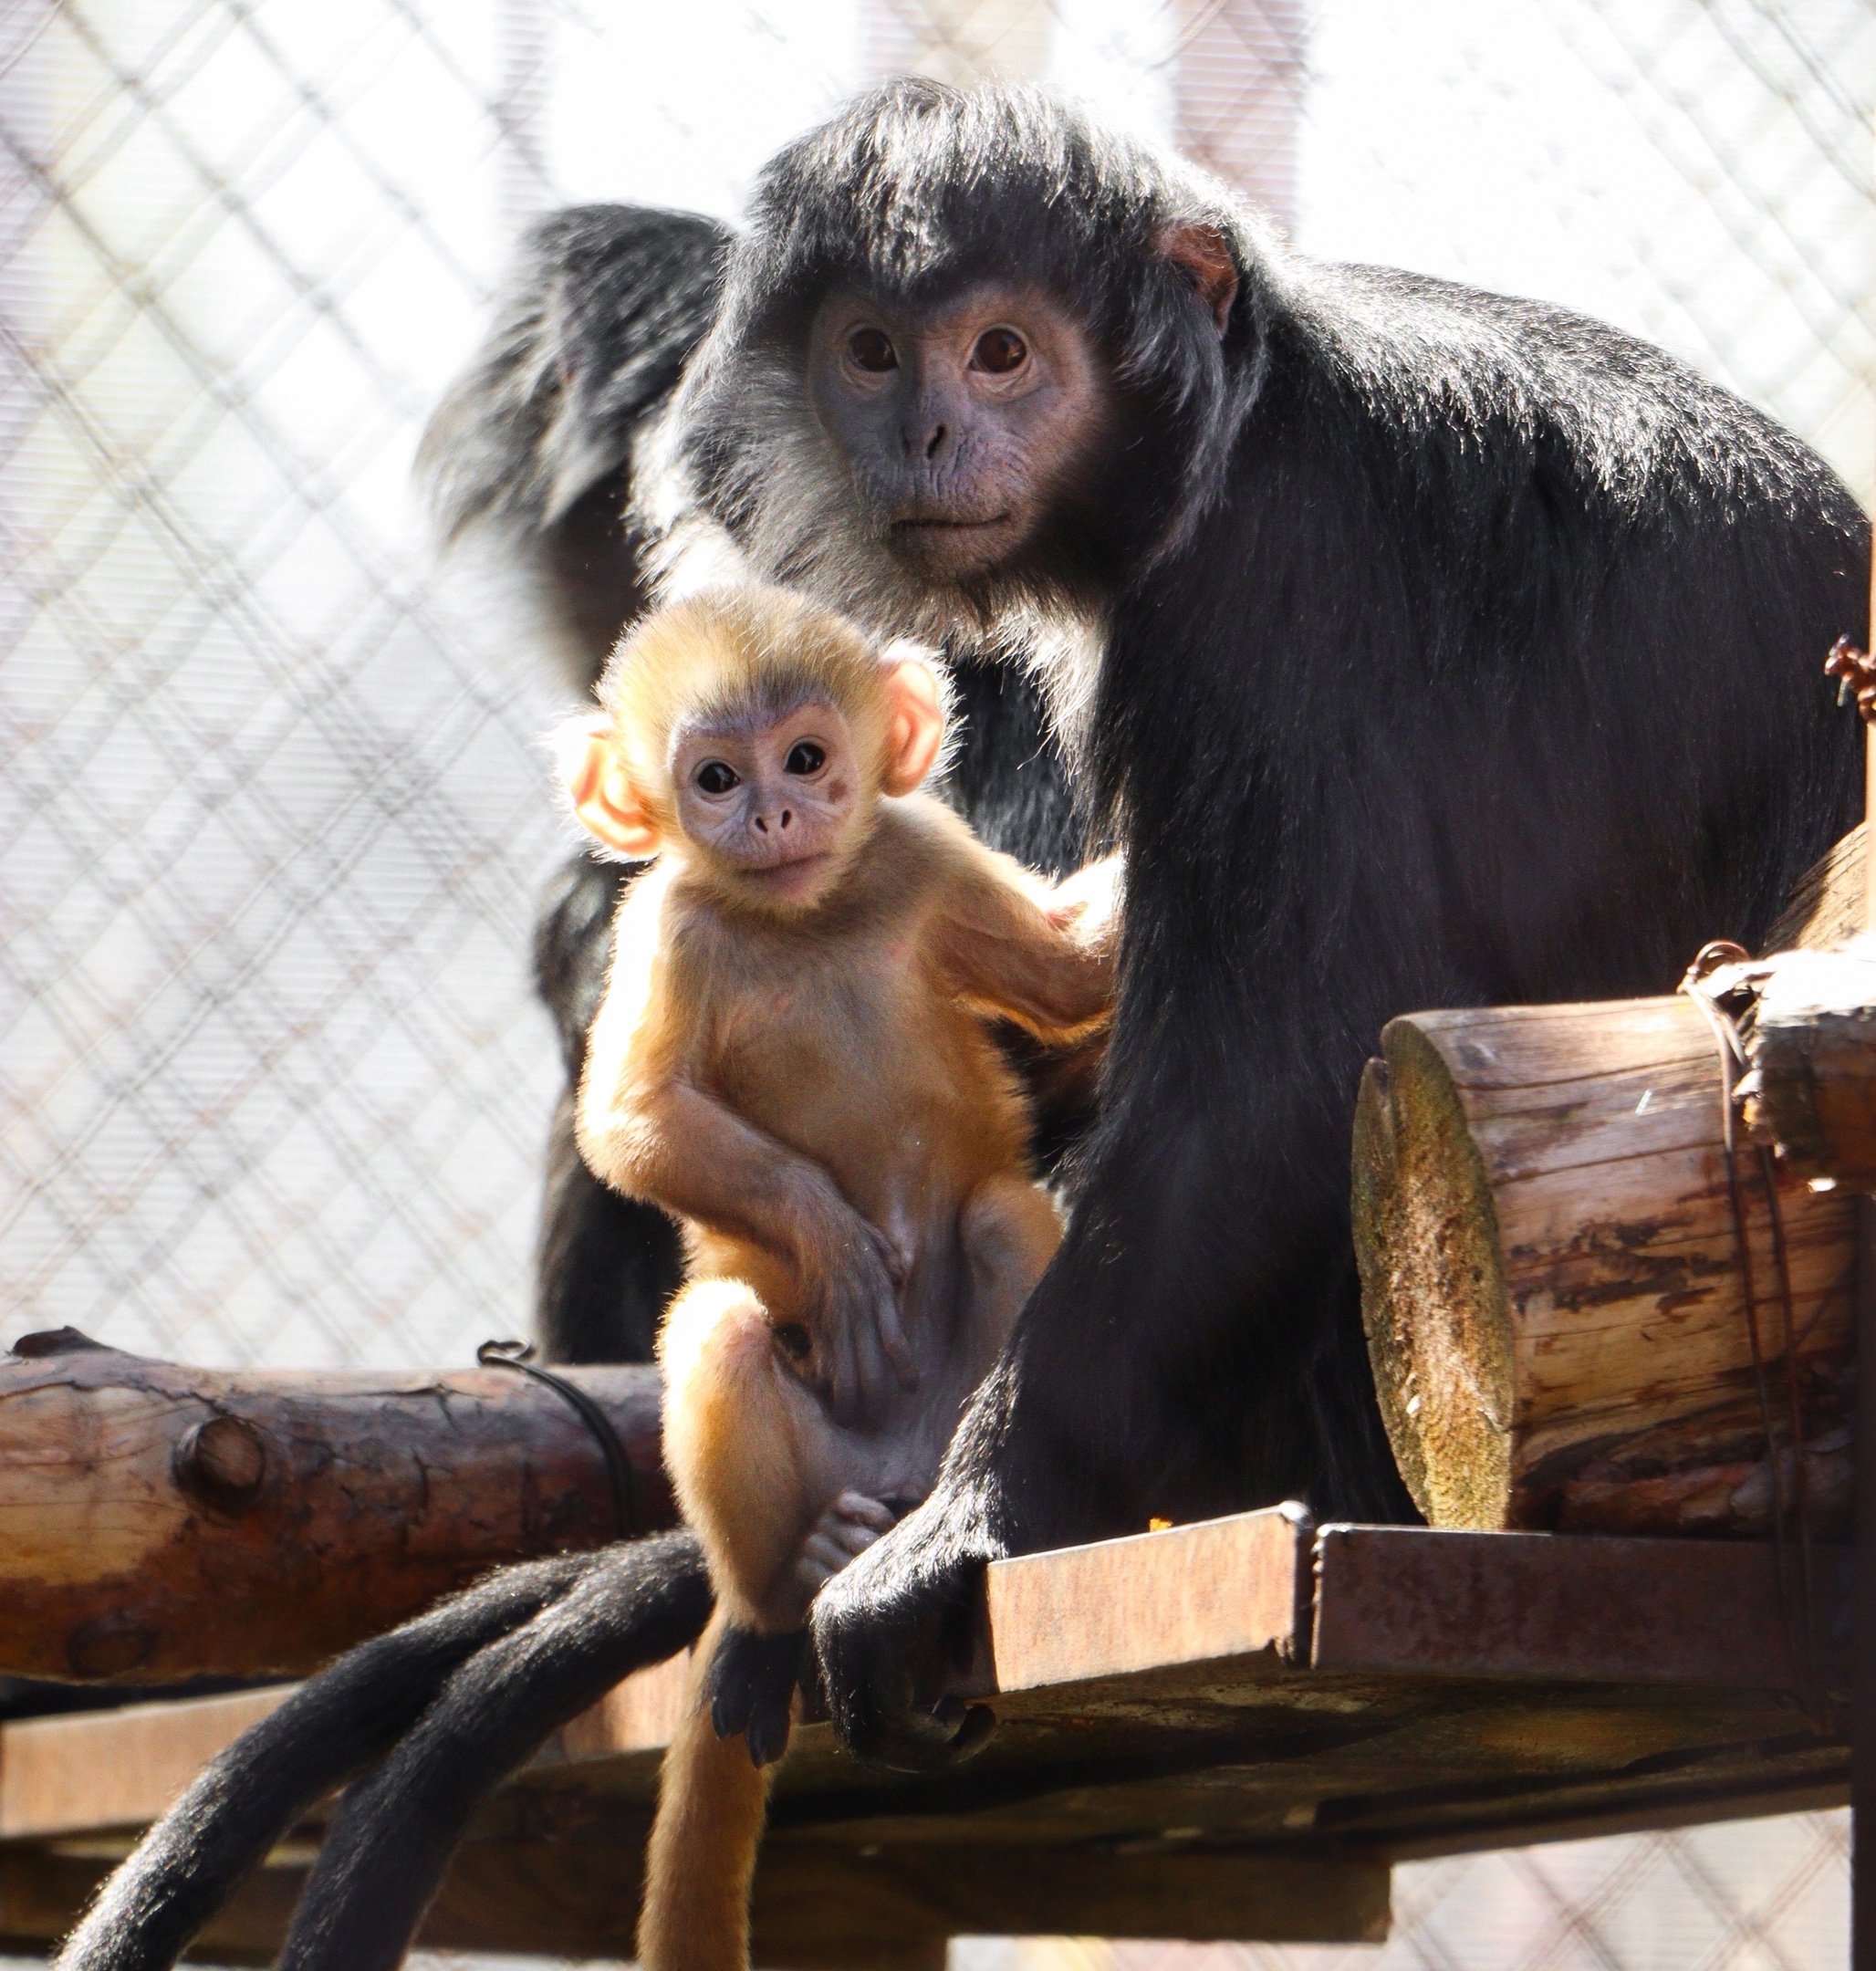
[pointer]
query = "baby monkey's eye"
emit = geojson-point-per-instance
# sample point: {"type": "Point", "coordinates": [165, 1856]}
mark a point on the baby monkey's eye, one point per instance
{"type": "Point", "coordinates": [805, 758]}
{"type": "Point", "coordinates": [871, 349]}
{"type": "Point", "coordinates": [716, 777]}
{"type": "Point", "coordinates": [1000, 351]}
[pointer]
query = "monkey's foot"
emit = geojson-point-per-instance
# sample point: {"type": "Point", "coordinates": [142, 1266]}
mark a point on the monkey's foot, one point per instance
{"type": "Point", "coordinates": [752, 1685]}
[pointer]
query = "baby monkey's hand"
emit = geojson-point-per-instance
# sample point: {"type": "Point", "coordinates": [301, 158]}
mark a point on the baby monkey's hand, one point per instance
{"type": "Point", "coordinates": [851, 1277]}
{"type": "Point", "coordinates": [848, 1526]}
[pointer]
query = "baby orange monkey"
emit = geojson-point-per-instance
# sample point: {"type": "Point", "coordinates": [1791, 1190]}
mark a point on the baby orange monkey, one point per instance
{"type": "Point", "coordinates": [793, 1059]}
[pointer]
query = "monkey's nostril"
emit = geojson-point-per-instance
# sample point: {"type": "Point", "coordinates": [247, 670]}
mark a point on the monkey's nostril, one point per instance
{"type": "Point", "coordinates": [936, 439]}
{"type": "Point", "coordinates": [786, 816]}
{"type": "Point", "coordinates": [761, 826]}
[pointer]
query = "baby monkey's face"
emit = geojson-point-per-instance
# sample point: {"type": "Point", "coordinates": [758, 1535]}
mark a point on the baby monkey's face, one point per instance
{"type": "Point", "coordinates": [776, 800]}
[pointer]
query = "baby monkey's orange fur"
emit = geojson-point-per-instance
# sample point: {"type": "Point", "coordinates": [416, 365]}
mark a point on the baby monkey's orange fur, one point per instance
{"type": "Point", "coordinates": [792, 1057]}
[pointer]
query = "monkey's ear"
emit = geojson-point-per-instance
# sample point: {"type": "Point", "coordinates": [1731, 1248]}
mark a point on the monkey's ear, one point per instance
{"type": "Point", "coordinates": [605, 800]}
{"type": "Point", "coordinates": [1204, 254]}
{"type": "Point", "coordinates": [915, 723]}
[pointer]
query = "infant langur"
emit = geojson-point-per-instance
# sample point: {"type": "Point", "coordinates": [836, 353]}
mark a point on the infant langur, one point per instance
{"type": "Point", "coordinates": [793, 1058]}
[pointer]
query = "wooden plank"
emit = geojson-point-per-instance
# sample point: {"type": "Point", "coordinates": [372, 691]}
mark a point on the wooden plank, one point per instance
{"type": "Point", "coordinates": [814, 1893]}
{"type": "Point", "coordinates": [1551, 1606]}
{"type": "Point", "coordinates": [1211, 1592]}
{"type": "Point", "coordinates": [637, 1715]}
{"type": "Point", "coordinates": [1166, 1763]}
{"type": "Point", "coordinates": [1215, 1591]}
{"type": "Point", "coordinates": [122, 1769]}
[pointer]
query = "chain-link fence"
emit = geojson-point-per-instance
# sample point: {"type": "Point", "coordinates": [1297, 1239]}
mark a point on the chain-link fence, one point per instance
{"type": "Point", "coordinates": [274, 813]}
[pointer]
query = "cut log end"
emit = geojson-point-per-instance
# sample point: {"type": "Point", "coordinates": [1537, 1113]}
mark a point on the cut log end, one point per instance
{"type": "Point", "coordinates": [1432, 1289]}
{"type": "Point", "coordinates": [1563, 1327]}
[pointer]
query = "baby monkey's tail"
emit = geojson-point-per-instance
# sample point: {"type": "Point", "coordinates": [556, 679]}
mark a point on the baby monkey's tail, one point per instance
{"type": "Point", "coordinates": [713, 1796]}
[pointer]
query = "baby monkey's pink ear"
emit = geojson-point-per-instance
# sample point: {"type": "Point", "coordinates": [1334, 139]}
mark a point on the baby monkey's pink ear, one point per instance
{"type": "Point", "coordinates": [602, 795]}
{"type": "Point", "coordinates": [915, 723]}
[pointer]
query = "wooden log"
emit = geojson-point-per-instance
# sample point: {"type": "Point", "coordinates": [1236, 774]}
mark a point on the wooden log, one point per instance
{"type": "Point", "coordinates": [1551, 1286]}
{"type": "Point", "coordinates": [1813, 1050]}
{"type": "Point", "coordinates": [159, 1522]}
{"type": "Point", "coordinates": [1828, 905]}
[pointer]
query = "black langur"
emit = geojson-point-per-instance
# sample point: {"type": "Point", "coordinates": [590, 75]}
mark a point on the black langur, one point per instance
{"type": "Point", "coordinates": [552, 448]}
{"type": "Point", "coordinates": [793, 1059]}
{"type": "Point", "coordinates": [1424, 647]}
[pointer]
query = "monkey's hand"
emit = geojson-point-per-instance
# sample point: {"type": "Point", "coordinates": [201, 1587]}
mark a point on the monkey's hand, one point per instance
{"type": "Point", "coordinates": [848, 1526]}
{"type": "Point", "coordinates": [851, 1274]}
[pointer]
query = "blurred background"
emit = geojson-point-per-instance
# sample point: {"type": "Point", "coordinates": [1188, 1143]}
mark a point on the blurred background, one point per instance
{"type": "Point", "coordinates": [274, 811]}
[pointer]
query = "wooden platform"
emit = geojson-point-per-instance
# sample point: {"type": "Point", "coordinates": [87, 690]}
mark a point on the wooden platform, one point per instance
{"type": "Point", "coordinates": [1227, 1730]}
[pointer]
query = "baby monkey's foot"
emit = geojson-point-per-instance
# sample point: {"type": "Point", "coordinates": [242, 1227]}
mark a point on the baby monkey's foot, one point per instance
{"type": "Point", "coordinates": [848, 1526]}
{"type": "Point", "coordinates": [751, 1685]}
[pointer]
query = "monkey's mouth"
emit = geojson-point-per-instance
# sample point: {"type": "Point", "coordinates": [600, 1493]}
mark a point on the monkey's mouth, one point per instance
{"type": "Point", "coordinates": [948, 545]}
{"type": "Point", "coordinates": [934, 524]}
{"type": "Point", "coordinates": [802, 869]}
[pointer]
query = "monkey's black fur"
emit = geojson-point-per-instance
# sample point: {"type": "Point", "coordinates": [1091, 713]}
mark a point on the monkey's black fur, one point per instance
{"type": "Point", "coordinates": [535, 442]}
{"type": "Point", "coordinates": [606, 1265]}
{"type": "Point", "coordinates": [533, 452]}
{"type": "Point", "coordinates": [635, 1603]}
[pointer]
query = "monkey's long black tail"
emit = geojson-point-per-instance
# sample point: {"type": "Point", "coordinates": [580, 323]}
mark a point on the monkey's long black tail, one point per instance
{"type": "Point", "coordinates": [332, 1727]}
{"type": "Point", "coordinates": [389, 1843]}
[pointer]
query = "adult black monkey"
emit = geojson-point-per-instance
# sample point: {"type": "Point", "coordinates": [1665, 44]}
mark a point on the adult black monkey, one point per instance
{"type": "Point", "coordinates": [1449, 649]}
{"type": "Point", "coordinates": [549, 446]}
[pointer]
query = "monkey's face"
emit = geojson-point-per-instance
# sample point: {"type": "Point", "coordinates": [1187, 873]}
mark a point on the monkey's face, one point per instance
{"type": "Point", "coordinates": [775, 804]}
{"type": "Point", "coordinates": [962, 423]}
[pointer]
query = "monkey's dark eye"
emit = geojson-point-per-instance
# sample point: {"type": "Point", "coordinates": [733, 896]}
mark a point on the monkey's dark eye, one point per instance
{"type": "Point", "coordinates": [805, 758]}
{"type": "Point", "coordinates": [794, 1341]}
{"type": "Point", "coordinates": [871, 348]}
{"type": "Point", "coordinates": [1000, 351]}
{"type": "Point", "coordinates": [716, 777]}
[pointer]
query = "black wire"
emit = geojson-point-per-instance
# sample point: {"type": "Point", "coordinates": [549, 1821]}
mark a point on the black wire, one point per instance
{"type": "Point", "coordinates": [518, 1356]}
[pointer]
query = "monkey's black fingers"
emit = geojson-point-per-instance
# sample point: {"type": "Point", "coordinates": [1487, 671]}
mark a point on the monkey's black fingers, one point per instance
{"type": "Point", "coordinates": [879, 1716]}
{"type": "Point", "coordinates": [331, 1727]}
{"type": "Point", "coordinates": [639, 1603]}
{"type": "Point", "coordinates": [752, 1683]}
